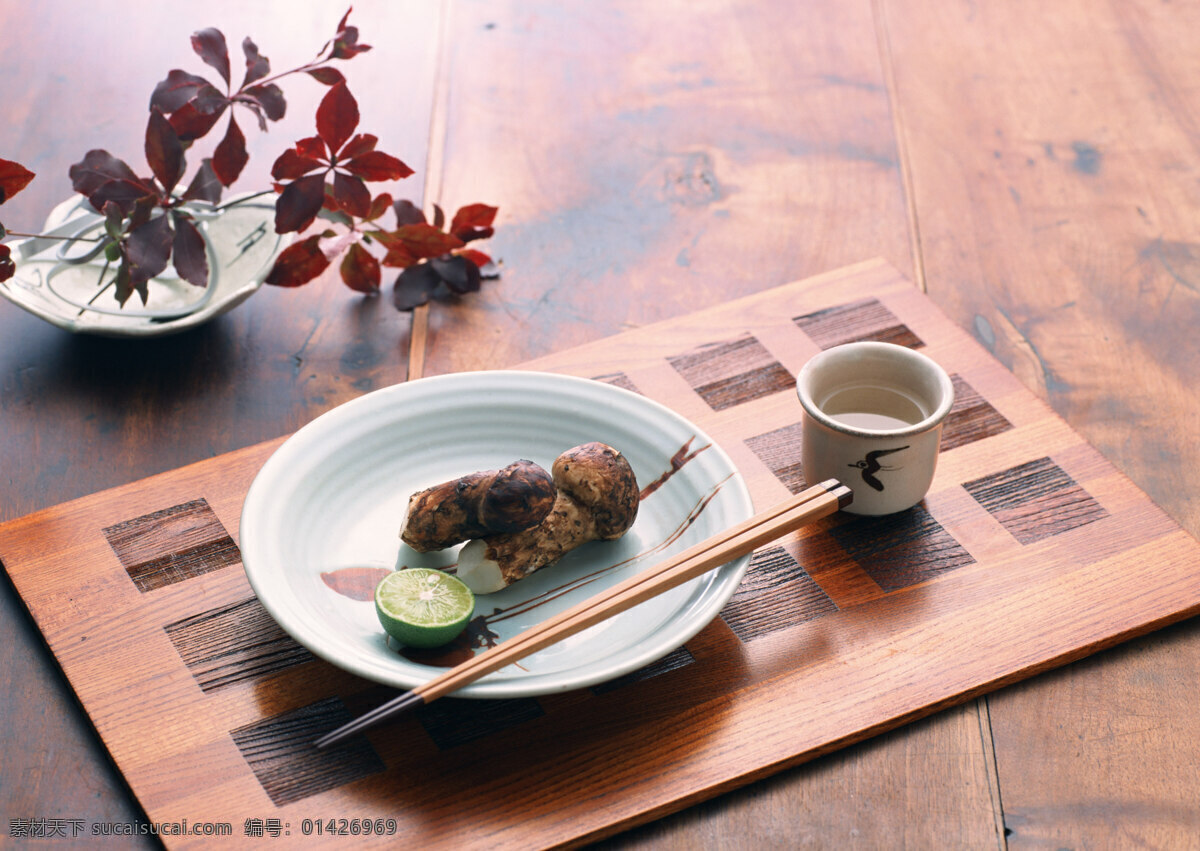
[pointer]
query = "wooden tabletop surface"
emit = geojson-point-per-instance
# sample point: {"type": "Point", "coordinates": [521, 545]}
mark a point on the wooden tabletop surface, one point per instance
{"type": "Point", "coordinates": [1033, 167]}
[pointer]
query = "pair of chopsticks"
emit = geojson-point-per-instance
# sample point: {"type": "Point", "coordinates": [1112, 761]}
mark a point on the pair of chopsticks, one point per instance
{"type": "Point", "coordinates": [811, 504]}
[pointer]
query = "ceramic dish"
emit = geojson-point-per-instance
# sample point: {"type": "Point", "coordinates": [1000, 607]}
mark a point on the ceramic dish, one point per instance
{"type": "Point", "coordinates": [323, 516]}
{"type": "Point", "coordinates": [58, 281]}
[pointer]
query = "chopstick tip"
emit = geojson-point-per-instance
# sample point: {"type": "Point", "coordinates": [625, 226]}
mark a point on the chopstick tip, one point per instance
{"type": "Point", "coordinates": [844, 495]}
{"type": "Point", "coordinates": [392, 708]}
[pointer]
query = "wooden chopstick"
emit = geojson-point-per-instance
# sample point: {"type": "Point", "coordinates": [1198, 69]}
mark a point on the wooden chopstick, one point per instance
{"type": "Point", "coordinates": [739, 540]}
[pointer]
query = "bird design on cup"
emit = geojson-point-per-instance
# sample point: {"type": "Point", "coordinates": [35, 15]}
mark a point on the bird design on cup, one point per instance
{"type": "Point", "coordinates": [870, 466]}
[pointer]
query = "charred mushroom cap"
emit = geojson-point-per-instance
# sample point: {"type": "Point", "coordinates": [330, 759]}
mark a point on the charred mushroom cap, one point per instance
{"type": "Point", "coordinates": [486, 503]}
{"type": "Point", "coordinates": [519, 497]}
{"type": "Point", "coordinates": [598, 476]}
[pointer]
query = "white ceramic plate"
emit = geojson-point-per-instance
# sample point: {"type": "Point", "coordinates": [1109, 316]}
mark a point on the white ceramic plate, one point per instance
{"type": "Point", "coordinates": [331, 500]}
{"type": "Point", "coordinates": [242, 246]}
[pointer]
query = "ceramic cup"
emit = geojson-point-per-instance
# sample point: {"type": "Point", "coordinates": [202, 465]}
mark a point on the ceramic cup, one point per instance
{"type": "Point", "coordinates": [873, 415]}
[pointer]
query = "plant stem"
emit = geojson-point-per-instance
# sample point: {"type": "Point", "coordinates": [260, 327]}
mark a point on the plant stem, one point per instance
{"type": "Point", "coordinates": [237, 201]}
{"type": "Point", "coordinates": [106, 287]}
{"type": "Point", "coordinates": [316, 63]}
{"type": "Point", "coordinates": [51, 236]}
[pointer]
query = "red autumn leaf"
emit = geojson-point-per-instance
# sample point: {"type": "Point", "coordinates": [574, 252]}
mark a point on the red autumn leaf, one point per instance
{"type": "Point", "coordinates": [209, 100]}
{"type": "Point", "coordinates": [337, 117]}
{"type": "Point", "coordinates": [124, 193]}
{"type": "Point", "coordinates": [257, 65]}
{"type": "Point", "coordinates": [97, 168]}
{"type": "Point", "coordinates": [291, 165]}
{"type": "Point", "coordinates": [419, 241]}
{"type": "Point", "coordinates": [345, 43]}
{"type": "Point", "coordinates": [414, 286]}
{"type": "Point", "coordinates": [210, 46]}
{"type": "Point", "coordinates": [7, 267]}
{"type": "Point", "coordinates": [164, 152]}
{"type": "Point", "coordinates": [125, 285]}
{"type": "Point", "coordinates": [379, 205]}
{"type": "Point", "coordinates": [191, 124]}
{"type": "Point", "coordinates": [398, 255]}
{"type": "Point", "coordinates": [143, 209]}
{"type": "Point", "coordinates": [255, 108]}
{"type": "Point", "coordinates": [299, 203]}
{"type": "Point", "coordinates": [460, 275]}
{"type": "Point", "coordinates": [148, 249]}
{"type": "Point", "coordinates": [357, 146]}
{"type": "Point", "coordinates": [191, 258]}
{"type": "Point", "coordinates": [351, 195]}
{"type": "Point", "coordinates": [408, 213]}
{"type": "Point", "coordinates": [13, 178]}
{"type": "Point", "coordinates": [480, 259]}
{"type": "Point", "coordinates": [312, 147]}
{"type": "Point", "coordinates": [428, 241]}
{"type": "Point", "coordinates": [360, 270]}
{"type": "Point", "coordinates": [327, 76]}
{"type": "Point", "coordinates": [177, 89]}
{"type": "Point", "coordinates": [205, 185]}
{"type": "Point", "coordinates": [230, 157]}
{"type": "Point", "coordinates": [376, 165]}
{"type": "Point", "coordinates": [474, 221]}
{"type": "Point", "coordinates": [269, 98]}
{"type": "Point", "coordinates": [299, 263]}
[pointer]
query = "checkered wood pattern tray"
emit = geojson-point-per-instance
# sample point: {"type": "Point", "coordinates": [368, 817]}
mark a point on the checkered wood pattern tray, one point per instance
{"type": "Point", "coordinates": [1030, 551]}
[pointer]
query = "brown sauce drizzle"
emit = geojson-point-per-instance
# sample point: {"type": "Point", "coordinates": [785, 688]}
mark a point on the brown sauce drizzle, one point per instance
{"type": "Point", "coordinates": [677, 461]}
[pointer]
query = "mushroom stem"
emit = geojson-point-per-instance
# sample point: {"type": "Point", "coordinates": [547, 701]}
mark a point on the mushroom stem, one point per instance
{"type": "Point", "coordinates": [597, 499]}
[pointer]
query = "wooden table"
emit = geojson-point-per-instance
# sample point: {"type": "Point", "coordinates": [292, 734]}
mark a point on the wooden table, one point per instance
{"type": "Point", "coordinates": [1032, 167]}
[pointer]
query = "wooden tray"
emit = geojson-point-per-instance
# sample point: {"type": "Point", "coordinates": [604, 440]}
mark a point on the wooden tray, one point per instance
{"type": "Point", "coordinates": [1030, 551]}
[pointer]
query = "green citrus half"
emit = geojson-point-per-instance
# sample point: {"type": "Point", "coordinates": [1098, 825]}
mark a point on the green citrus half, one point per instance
{"type": "Point", "coordinates": [421, 607]}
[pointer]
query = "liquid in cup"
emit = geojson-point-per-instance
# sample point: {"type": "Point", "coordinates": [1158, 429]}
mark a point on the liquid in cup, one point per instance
{"type": "Point", "coordinates": [873, 415]}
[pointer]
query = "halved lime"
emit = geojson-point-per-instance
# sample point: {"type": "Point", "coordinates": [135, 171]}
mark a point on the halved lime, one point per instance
{"type": "Point", "coordinates": [421, 607]}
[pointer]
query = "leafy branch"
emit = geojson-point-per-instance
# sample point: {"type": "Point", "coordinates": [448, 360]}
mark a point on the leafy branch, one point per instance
{"type": "Point", "coordinates": [150, 224]}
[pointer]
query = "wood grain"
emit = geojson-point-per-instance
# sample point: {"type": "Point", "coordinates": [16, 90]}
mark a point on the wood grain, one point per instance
{"type": "Point", "coordinates": [267, 368]}
{"type": "Point", "coordinates": [1032, 165]}
{"type": "Point", "coordinates": [877, 808]}
{"type": "Point", "coordinates": [741, 704]}
{"type": "Point", "coordinates": [1054, 163]}
{"type": "Point", "coordinates": [79, 415]}
{"type": "Point", "coordinates": [681, 154]}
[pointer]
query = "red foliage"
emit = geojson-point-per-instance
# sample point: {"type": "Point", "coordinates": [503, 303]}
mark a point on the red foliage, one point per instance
{"type": "Point", "coordinates": [360, 269]}
{"type": "Point", "coordinates": [230, 156]}
{"type": "Point", "coordinates": [299, 263]}
{"type": "Point", "coordinates": [473, 221]}
{"type": "Point", "coordinates": [409, 243]}
{"type": "Point", "coordinates": [7, 267]}
{"type": "Point", "coordinates": [351, 159]}
{"type": "Point", "coordinates": [322, 175]}
{"type": "Point", "coordinates": [183, 108]}
{"type": "Point", "coordinates": [164, 151]}
{"type": "Point", "coordinates": [345, 43]}
{"type": "Point", "coordinates": [13, 178]}
{"type": "Point", "coordinates": [191, 258]}
{"type": "Point", "coordinates": [432, 258]}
